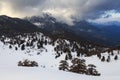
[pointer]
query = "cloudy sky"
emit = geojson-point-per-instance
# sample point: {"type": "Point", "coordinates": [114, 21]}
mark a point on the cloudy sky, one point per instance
{"type": "Point", "coordinates": [64, 10]}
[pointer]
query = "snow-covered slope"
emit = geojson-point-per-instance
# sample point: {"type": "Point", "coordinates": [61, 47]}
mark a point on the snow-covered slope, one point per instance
{"type": "Point", "coordinates": [48, 65]}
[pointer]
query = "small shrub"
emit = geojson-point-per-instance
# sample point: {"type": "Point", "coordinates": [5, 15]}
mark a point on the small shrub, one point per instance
{"type": "Point", "coordinates": [92, 71]}
{"type": "Point", "coordinates": [28, 63]}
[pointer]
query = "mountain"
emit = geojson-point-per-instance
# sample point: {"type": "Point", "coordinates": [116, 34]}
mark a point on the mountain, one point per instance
{"type": "Point", "coordinates": [111, 30]}
{"type": "Point", "coordinates": [33, 55]}
{"type": "Point", "coordinates": [105, 34]}
{"type": "Point", "coordinates": [49, 27]}
{"type": "Point", "coordinates": [81, 30]}
{"type": "Point", "coordinates": [88, 31]}
{"type": "Point", "coordinates": [11, 25]}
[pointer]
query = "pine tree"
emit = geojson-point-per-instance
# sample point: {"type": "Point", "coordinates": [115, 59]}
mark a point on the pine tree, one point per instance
{"type": "Point", "coordinates": [16, 48]}
{"type": "Point", "coordinates": [112, 53]}
{"type": "Point", "coordinates": [23, 47]}
{"type": "Point", "coordinates": [10, 46]}
{"type": "Point", "coordinates": [118, 52]}
{"type": "Point", "coordinates": [116, 57]}
{"type": "Point", "coordinates": [92, 70]}
{"type": "Point", "coordinates": [66, 57]}
{"type": "Point", "coordinates": [108, 59]}
{"type": "Point", "coordinates": [78, 66]}
{"type": "Point", "coordinates": [63, 65]}
{"type": "Point", "coordinates": [103, 58]}
{"type": "Point", "coordinates": [45, 42]}
{"type": "Point", "coordinates": [69, 56]}
{"type": "Point", "coordinates": [99, 56]}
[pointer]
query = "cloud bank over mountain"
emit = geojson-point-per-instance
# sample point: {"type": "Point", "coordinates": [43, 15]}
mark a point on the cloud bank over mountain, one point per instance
{"type": "Point", "coordinates": [63, 10]}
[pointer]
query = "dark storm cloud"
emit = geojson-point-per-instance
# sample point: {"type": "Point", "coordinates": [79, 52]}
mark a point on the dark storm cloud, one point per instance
{"type": "Point", "coordinates": [63, 9]}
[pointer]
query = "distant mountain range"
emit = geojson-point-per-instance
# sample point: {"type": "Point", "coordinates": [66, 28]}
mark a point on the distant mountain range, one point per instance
{"type": "Point", "coordinates": [81, 30]}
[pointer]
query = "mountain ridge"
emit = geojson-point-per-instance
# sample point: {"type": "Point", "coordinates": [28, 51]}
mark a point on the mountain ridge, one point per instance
{"type": "Point", "coordinates": [11, 25]}
{"type": "Point", "coordinates": [83, 30]}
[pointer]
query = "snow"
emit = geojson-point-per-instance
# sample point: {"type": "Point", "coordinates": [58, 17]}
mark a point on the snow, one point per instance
{"type": "Point", "coordinates": [38, 24]}
{"type": "Point", "coordinates": [52, 21]}
{"type": "Point", "coordinates": [10, 71]}
{"type": "Point", "coordinates": [109, 70]}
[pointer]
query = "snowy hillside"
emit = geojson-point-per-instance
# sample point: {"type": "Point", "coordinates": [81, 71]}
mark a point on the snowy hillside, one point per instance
{"type": "Point", "coordinates": [11, 54]}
